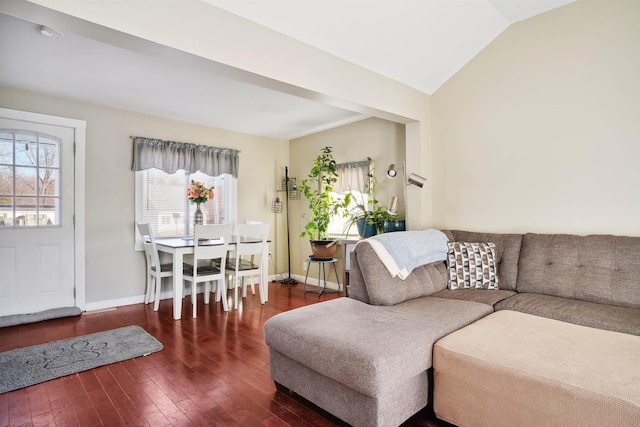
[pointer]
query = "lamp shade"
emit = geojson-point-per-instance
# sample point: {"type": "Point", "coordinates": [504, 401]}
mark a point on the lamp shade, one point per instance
{"type": "Point", "coordinates": [276, 205]}
{"type": "Point", "coordinates": [392, 208]}
{"type": "Point", "coordinates": [416, 180]}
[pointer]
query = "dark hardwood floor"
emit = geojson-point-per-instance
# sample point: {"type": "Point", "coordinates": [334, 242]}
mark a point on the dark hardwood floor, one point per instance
{"type": "Point", "coordinates": [213, 370]}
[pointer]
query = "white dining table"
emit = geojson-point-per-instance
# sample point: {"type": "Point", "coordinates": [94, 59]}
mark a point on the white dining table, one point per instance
{"type": "Point", "coordinates": [178, 247]}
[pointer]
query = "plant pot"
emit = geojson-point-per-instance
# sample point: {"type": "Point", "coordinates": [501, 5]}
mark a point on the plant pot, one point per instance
{"type": "Point", "coordinates": [323, 248]}
{"type": "Point", "coordinates": [364, 229]}
{"type": "Point", "coordinates": [393, 225]}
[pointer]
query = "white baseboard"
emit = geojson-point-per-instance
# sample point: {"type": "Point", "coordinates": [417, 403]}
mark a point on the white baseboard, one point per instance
{"type": "Point", "coordinates": [101, 305]}
{"type": "Point", "coordinates": [139, 299]}
{"type": "Point", "coordinates": [314, 282]}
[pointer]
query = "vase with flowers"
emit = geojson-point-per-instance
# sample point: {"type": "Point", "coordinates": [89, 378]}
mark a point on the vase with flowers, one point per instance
{"type": "Point", "coordinates": [199, 194]}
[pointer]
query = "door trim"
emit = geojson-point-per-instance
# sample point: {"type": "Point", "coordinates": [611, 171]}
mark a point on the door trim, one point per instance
{"type": "Point", "coordinates": [79, 131]}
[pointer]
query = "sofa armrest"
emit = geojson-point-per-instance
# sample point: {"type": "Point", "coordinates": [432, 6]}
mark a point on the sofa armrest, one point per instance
{"type": "Point", "coordinates": [373, 284]}
{"type": "Point", "coordinates": [357, 287]}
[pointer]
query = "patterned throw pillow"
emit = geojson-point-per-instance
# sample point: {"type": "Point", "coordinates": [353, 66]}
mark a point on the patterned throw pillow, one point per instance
{"type": "Point", "coordinates": [472, 265]}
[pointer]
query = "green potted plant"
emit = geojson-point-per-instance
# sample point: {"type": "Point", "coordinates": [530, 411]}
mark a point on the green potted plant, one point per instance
{"type": "Point", "coordinates": [368, 215]}
{"type": "Point", "coordinates": [317, 188]}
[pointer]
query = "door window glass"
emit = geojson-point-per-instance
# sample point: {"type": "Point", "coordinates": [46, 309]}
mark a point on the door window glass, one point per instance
{"type": "Point", "coordinates": [29, 179]}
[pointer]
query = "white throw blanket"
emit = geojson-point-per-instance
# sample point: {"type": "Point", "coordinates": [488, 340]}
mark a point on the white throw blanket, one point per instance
{"type": "Point", "coordinates": [401, 252]}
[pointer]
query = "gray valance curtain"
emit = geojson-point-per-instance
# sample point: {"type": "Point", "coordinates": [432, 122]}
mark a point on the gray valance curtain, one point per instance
{"type": "Point", "coordinates": [170, 156]}
{"type": "Point", "coordinates": [352, 176]}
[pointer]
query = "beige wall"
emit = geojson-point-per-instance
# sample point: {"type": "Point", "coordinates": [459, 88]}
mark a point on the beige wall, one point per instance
{"type": "Point", "coordinates": [379, 139]}
{"type": "Point", "coordinates": [113, 269]}
{"type": "Point", "coordinates": [250, 52]}
{"type": "Point", "coordinates": [541, 131]}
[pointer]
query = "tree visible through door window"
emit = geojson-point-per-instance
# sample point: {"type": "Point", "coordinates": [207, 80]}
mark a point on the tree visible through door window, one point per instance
{"type": "Point", "coordinates": [29, 179]}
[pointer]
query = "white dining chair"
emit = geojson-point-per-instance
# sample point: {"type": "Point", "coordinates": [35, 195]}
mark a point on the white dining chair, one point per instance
{"type": "Point", "coordinates": [249, 280]}
{"type": "Point", "coordinates": [209, 261]}
{"type": "Point", "coordinates": [251, 241]}
{"type": "Point", "coordinates": [155, 270]}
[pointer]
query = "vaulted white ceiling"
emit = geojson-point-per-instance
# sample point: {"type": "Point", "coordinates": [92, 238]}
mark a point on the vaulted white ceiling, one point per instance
{"type": "Point", "coordinates": [421, 43]}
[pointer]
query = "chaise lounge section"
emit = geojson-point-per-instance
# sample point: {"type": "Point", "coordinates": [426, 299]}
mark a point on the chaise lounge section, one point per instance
{"type": "Point", "coordinates": [368, 359]}
{"type": "Point", "coordinates": [354, 360]}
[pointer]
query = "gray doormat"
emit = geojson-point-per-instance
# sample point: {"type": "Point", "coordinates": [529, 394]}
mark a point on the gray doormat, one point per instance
{"type": "Point", "coordinates": [54, 313]}
{"type": "Point", "coordinates": [27, 366]}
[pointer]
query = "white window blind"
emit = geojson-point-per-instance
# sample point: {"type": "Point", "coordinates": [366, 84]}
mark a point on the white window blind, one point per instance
{"type": "Point", "coordinates": [353, 178]}
{"type": "Point", "coordinates": [161, 200]}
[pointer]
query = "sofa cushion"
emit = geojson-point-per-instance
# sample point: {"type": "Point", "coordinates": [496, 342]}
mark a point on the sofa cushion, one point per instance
{"type": "Point", "coordinates": [601, 316]}
{"type": "Point", "coordinates": [472, 265]}
{"type": "Point", "coordinates": [476, 295]}
{"type": "Point", "coordinates": [507, 250]}
{"type": "Point", "coordinates": [368, 348]}
{"type": "Point", "coordinates": [382, 289]}
{"type": "Point", "coordinates": [598, 268]}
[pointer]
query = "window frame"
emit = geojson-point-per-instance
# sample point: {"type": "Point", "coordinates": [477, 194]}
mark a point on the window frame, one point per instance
{"type": "Point", "coordinates": [341, 221]}
{"type": "Point", "coordinates": [230, 201]}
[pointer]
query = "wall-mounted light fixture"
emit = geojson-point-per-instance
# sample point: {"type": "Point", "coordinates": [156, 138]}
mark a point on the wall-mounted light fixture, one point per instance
{"type": "Point", "coordinates": [413, 179]}
{"type": "Point", "coordinates": [417, 180]}
{"type": "Point", "coordinates": [392, 208]}
{"type": "Point", "coordinates": [391, 171]}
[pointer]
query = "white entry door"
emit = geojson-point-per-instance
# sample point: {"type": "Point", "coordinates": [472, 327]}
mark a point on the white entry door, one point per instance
{"type": "Point", "coordinates": [37, 251]}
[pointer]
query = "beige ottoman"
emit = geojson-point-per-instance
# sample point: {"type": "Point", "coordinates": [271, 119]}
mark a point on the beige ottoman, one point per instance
{"type": "Point", "coordinates": [515, 369]}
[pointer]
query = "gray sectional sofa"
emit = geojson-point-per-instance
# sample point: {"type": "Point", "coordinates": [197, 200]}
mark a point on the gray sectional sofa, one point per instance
{"type": "Point", "coordinates": [526, 354]}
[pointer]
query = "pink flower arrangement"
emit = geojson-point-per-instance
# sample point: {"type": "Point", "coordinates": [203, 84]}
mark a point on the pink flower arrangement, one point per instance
{"type": "Point", "coordinates": [198, 193]}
